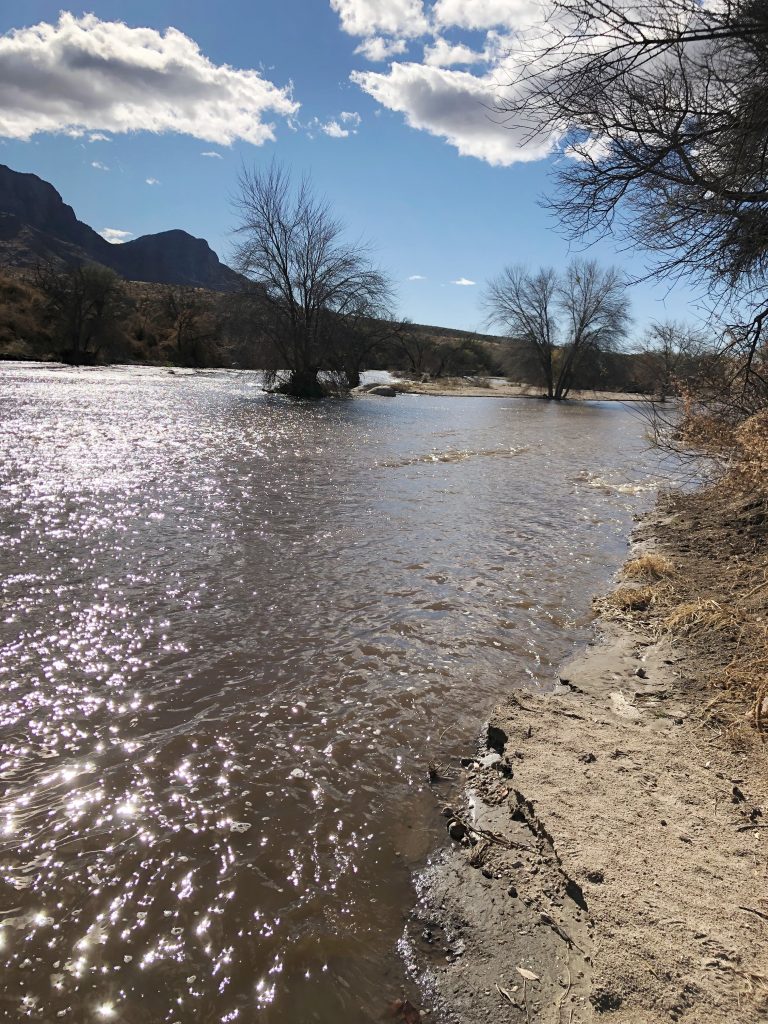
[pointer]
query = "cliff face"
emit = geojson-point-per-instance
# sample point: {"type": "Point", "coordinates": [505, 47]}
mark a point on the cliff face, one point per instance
{"type": "Point", "coordinates": [36, 224]}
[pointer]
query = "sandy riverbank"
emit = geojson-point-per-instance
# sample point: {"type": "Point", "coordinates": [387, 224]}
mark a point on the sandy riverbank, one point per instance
{"type": "Point", "coordinates": [617, 871]}
{"type": "Point", "coordinates": [464, 387]}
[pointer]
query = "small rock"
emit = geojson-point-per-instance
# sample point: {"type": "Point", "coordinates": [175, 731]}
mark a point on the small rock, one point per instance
{"type": "Point", "coordinates": [588, 758]}
{"type": "Point", "coordinates": [641, 673]}
{"type": "Point", "coordinates": [490, 760]}
{"type": "Point", "coordinates": [298, 773]}
{"type": "Point", "coordinates": [512, 891]}
{"type": "Point", "coordinates": [456, 830]}
{"type": "Point", "coordinates": [488, 873]}
{"type": "Point", "coordinates": [596, 877]}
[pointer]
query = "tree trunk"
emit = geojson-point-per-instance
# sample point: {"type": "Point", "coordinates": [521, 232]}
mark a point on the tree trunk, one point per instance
{"type": "Point", "coordinates": [303, 384]}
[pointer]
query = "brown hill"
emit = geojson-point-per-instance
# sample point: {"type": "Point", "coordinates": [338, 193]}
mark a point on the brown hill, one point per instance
{"type": "Point", "coordinates": [36, 225]}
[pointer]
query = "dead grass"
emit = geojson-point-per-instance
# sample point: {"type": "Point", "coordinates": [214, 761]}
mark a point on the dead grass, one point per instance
{"type": "Point", "coordinates": [702, 616]}
{"type": "Point", "coordinates": [625, 600]}
{"type": "Point", "coordinates": [706, 589]}
{"type": "Point", "coordinates": [650, 566]}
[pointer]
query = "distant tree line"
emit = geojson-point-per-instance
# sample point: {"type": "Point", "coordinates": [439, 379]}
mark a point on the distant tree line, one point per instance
{"type": "Point", "coordinates": [86, 315]}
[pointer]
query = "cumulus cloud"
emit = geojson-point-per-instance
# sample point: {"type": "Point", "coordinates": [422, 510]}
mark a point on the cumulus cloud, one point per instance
{"type": "Point", "coordinates": [454, 105]}
{"type": "Point", "coordinates": [484, 14]}
{"type": "Point", "coordinates": [152, 181]}
{"type": "Point", "coordinates": [377, 48]}
{"type": "Point", "coordinates": [464, 282]}
{"type": "Point", "coordinates": [98, 137]}
{"type": "Point", "coordinates": [334, 130]}
{"type": "Point", "coordinates": [86, 75]}
{"type": "Point", "coordinates": [115, 235]}
{"type": "Point", "coordinates": [417, 277]}
{"type": "Point", "coordinates": [441, 95]}
{"type": "Point", "coordinates": [442, 54]}
{"type": "Point", "coordinates": [381, 17]}
{"type": "Point", "coordinates": [590, 150]}
{"type": "Point", "coordinates": [340, 127]}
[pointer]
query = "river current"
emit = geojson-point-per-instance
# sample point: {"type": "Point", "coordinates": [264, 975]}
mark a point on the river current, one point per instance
{"type": "Point", "coordinates": [234, 630]}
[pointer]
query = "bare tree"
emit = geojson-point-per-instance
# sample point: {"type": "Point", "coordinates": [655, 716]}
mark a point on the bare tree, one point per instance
{"type": "Point", "coordinates": [83, 303]}
{"type": "Point", "coordinates": [563, 318]}
{"type": "Point", "coordinates": [312, 283]}
{"type": "Point", "coordinates": [663, 109]}
{"type": "Point", "coordinates": [188, 316]}
{"type": "Point", "coordinates": [672, 356]}
{"type": "Point", "coordinates": [524, 306]}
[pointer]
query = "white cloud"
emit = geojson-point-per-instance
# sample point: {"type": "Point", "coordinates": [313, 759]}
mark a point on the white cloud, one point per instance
{"type": "Point", "coordinates": [417, 277]}
{"type": "Point", "coordinates": [152, 181]}
{"type": "Point", "coordinates": [212, 155]}
{"type": "Point", "coordinates": [377, 48]}
{"type": "Point", "coordinates": [115, 235]}
{"type": "Point", "coordinates": [377, 17]}
{"type": "Point", "coordinates": [98, 137]}
{"type": "Point", "coordinates": [443, 54]}
{"type": "Point", "coordinates": [334, 129]}
{"type": "Point", "coordinates": [341, 127]}
{"type": "Point", "coordinates": [99, 166]}
{"type": "Point", "coordinates": [454, 105]}
{"type": "Point", "coordinates": [590, 150]}
{"type": "Point", "coordinates": [86, 75]}
{"type": "Point", "coordinates": [483, 14]}
{"type": "Point", "coordinates": [464, 282]}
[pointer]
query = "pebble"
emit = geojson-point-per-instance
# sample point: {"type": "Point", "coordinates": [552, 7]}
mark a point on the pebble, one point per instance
{"type": "Point", "coordinates": [456, 830]}
{"type": "Point", "coordinates": [490, 759]}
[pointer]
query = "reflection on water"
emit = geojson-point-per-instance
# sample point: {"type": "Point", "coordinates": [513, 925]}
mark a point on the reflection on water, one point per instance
{"type": "Point", "coordinates": [233, 631]}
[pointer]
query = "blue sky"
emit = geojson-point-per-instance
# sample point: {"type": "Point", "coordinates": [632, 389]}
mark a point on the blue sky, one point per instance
{"type": "Point", "coordinates": [383, 102]}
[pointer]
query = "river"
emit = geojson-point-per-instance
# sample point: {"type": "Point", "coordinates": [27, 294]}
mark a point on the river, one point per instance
{"type": "Point", "coordinates": [234, 630]}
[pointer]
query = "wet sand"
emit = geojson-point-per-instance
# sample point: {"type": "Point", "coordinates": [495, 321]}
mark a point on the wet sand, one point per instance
{"type": "Point", "coordinates": [607, 860]}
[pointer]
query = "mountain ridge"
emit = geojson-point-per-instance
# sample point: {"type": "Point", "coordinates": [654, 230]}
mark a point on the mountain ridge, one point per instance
{"type": "Point", "coordinates": [36, 225]}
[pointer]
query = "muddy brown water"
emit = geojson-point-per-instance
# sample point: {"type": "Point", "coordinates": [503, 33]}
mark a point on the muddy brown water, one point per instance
{"type": "Point", "coordinates": [233, 632]}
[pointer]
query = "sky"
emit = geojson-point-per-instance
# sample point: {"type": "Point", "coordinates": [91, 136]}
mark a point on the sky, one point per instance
{"type": "Point", "coordinates": [143, 114]}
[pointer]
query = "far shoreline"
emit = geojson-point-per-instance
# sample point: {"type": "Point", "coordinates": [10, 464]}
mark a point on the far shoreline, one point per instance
{"type": "Point", "coordinates": [463, 388]}
{"type": "Point", "coordinates": [448, 387]}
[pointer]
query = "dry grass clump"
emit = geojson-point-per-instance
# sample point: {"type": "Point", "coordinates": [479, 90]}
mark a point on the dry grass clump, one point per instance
{"type": "Point", "coordinates": [627, 599]}
{"type": "Point", "coordinates": [750, 462]}
{"type": "Point", "coordinates": [651, 566]}
{"type": "Point", "coordinates": [700, 617]}
{"type": "Point", "coordinates": [716, 602]}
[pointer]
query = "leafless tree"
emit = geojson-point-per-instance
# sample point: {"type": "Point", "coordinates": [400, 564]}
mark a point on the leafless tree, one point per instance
{"type": "Point", "coordinates": [564, 318]}
{"type": "Point", "coordinates": [673, 355]}
{"type": "Point", "coordinates": [83, 303]}
{"type": "Point", "coordinates": [524, 306]}
{"type": "Point", "coordinates": [662, 108]}
{"type": "Point", "coordinates": [188, 314]}
{"type": "Point", "coordinates": [312, 283]}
